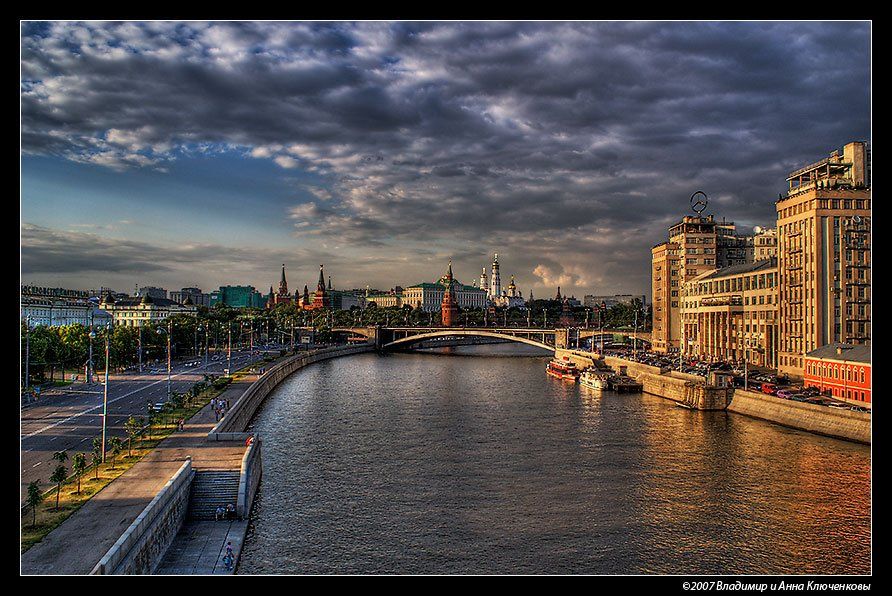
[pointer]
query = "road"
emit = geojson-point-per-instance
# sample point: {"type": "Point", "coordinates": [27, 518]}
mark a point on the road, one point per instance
{"type": "Point", "coordinates": [70, 421]}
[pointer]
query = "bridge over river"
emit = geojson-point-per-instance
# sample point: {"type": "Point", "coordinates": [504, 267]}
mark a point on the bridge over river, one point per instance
{"type": "Point", "coordinates": [388, 338]}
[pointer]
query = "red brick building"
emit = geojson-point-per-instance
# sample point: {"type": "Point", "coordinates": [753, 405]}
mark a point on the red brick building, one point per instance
{"type": "Point", "coordinates": [842, 369]}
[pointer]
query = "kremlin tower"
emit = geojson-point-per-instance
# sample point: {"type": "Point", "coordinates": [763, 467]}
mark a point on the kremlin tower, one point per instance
{"type": "Point", "coordinates": [320, 297]}
{"type": "Point", "coordinates": [484, 282]}
{"type": "Point", "coordinates": [281, 296]}
{"type": "Point", "coordinates": [449, 308]}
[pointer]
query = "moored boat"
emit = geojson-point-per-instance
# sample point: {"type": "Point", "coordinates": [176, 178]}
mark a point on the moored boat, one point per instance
{"type": "Point", "coordinates": [563, 369]}
{"type": "Point", "coordinates": [625, 384]}
{"type": "Point", "coordinates": [594, 379]}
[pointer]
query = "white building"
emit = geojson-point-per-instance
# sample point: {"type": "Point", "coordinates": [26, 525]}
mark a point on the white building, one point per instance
{"type": "Point", "coordinates": [55, 307]}
{"type": "Point", "coordinates": [136, 311]}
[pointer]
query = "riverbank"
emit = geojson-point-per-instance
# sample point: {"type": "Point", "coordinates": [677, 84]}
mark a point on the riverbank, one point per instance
{"type": "Point", "coordinates": [813, 418]}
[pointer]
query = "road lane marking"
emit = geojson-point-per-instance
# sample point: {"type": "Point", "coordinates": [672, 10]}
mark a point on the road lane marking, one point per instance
{"type": "Point", "coordinates": [37, 464]}
{"type": "Point", "coordinates": [55, 424]}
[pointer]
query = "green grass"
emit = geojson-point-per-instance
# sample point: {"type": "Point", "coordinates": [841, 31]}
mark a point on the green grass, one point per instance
{"type": "Point", "coordinates": [49, 518]}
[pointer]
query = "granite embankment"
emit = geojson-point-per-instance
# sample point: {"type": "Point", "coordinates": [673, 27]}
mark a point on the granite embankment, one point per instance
{"type": "Point", "coordinates": [822, 420]}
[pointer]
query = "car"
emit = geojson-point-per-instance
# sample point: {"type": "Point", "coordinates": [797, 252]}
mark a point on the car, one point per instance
{"type": "Point", "coordinates": [769, 388]}
{"type": "Point", "coordinates": [158, 406]}
{"type": "Point", "coordinates": [859, 409]}
{"type": "Point", "coordinates": [784, 394]}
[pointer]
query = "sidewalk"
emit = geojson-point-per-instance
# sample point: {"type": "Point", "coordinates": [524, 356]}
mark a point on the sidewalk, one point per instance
{"type": "Point", "coordinates": [200, 546]}
{"type": "Point", "coordinates": [108, 514]}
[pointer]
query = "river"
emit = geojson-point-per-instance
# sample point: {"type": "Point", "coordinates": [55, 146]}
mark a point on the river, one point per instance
{"type": "Point", "coordinates": [472, 460]}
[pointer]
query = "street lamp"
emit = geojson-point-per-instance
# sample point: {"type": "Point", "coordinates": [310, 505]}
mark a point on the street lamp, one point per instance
{"type": "Point", "coordinates": [27, 348]}
{"type": "Point", "coordinates": [169, 333]}
{"type": "Point", "coordinates": [229, 350]}
{"type": "Point", "coordinates": [91, 335]}
{"type": "Point", "coordinates": [105, 391]}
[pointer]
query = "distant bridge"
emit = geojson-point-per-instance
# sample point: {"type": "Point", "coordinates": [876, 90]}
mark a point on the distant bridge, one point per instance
{"type": "Point", "coordinates": [548, 339]}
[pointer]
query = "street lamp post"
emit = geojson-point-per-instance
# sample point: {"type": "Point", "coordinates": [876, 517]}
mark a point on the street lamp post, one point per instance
{"type": "Point", "coordinates": [90, 335]}
{"type": "Point", "coordinates": [105, 391]}
{"type": "Point", "coordinates": [27, 349]}
{"type": "Point", "coordinates": [139, 346]}
{"type": "Point", "coordinates": [229, 351]}
{"type": "Point", "coordinates": [544, 318]}
{"type": "Point", "coordinates": [169, 332]}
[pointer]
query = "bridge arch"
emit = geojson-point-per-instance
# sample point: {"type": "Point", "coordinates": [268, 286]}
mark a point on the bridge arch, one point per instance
{"type": "Point", "coordinates": [405, 341]}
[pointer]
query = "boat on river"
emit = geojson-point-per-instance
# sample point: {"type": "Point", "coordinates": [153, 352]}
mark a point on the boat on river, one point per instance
{"type": "Point", "coordinates": [595, 379]}
{"type": "Point", "coordinates": [625, 384]}
{"type": "Point", "coordinates": [565, 369]}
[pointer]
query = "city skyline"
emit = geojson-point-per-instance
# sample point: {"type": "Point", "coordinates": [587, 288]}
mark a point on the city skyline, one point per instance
{"type": "Point", "coordinates": [177, 154]}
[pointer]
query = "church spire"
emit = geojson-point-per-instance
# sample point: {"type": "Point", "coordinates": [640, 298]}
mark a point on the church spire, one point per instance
{"type": "Point", "coordinates": [321, 285]}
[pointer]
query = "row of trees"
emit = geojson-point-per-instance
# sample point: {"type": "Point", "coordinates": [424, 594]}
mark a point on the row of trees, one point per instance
{"type": "Point", "coordinates": [53, 349]}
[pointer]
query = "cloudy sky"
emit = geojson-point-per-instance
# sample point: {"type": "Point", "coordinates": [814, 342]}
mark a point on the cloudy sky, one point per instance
{"type": "Point", "coordinates": [179, 154]}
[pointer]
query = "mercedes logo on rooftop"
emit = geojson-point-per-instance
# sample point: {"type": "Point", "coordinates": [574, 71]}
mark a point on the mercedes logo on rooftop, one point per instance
{"type": "Point", "coordinates": [698, 202]}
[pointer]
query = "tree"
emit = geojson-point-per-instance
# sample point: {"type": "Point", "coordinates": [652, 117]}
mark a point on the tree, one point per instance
{"type": "Point", "coordinates": [58, 477]}
{"type": "Point", "coordinates": [134, 429]}
{"type": "Point", "coordinates": [96, 458]}
{"type": "Point", "coordinates": [79, 466]}
{"type": "Point", "coordinates": [116, 447]}
{"type": "Point", "coordinates": [61, 457]}
{"type": "Point", "coordinates": [35, 497]}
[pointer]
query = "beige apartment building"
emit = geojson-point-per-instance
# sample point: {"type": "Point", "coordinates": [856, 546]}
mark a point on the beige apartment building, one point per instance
{"type": "Point", "coordinates": [823, 226]}
{"type": "Point", "coordinates": [732, 314]}
{"type": "Point", "coordinates": [697, 245]}
{"type": "Point", "coordinates": [664, 291]}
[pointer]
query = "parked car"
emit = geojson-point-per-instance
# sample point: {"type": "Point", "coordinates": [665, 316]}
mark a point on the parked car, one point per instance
{"type": "Point", "coordinates": [769, 388]}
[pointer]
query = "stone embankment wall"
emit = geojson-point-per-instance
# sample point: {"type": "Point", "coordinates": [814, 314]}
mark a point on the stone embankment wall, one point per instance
{"type": "Point", "coordinates": [142, 546]}
{"type": "Point", "coordinates": [237, 419]}
{"type": "Point", "coordinates": [832, 422]}
{"type": "Point", "coordinates": [249, 478]}
{"type": "Point", "coordinates": [689, 390]}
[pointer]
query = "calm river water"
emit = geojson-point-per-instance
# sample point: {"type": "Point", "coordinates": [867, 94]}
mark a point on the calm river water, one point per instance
{"type": "Point", "coordinates": [475, 461]}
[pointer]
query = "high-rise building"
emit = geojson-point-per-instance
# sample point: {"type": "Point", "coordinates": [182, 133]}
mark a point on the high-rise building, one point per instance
{"type": "Point", "coordinates": [823, 236]}
{"type": "Point", "coordinates": [697, 245]}
{"type": "Point", "coordinates": [665, 276]}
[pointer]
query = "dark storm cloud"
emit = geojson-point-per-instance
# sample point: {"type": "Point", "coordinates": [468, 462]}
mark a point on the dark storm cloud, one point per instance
{"type": "Point", "coordinates": [575, 143]}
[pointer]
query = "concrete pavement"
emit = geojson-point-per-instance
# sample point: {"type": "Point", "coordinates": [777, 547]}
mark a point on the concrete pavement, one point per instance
{"type": "Point", "coordinates": [108, 514]}
{"type": "Point", "coordinates": [70, 421]}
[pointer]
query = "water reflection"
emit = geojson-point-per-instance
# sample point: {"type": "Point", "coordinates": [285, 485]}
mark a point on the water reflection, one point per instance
{"type": "Point", "coordinates": [414, 463]}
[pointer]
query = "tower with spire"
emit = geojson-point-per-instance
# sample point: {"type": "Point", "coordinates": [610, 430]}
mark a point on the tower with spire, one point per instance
{"type": "Point", "coordinates": [496, 281]}
{"type": "Point", "coordinates": [321, 296]}
{"type": "Point", "coordinates": [449, 308]}
{"type": "Point", "coordinates": [484, 282]}
{"type": "Point", "coordinates": [283, 285]}
{"type": "Point", "coordinates": [281, 296]}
